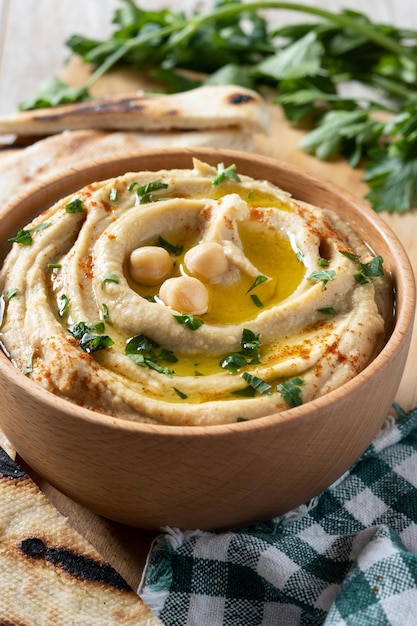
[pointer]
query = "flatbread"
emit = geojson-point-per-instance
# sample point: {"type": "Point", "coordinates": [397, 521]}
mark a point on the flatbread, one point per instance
{"type": "Point", "coordinates": [202, 108]}
{"type": "Point", "coordinates": [49, 573]}
{"type": "Point", "coordinates": [28, 166]}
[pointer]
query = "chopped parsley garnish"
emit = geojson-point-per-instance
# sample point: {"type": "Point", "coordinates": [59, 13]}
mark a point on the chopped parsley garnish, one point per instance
{"type": "Point", "coordinates": [89, 336]}
{"type": "Point", "coordinates": [290, 391]}
{"type": "Point", "coordinates": [248, 355]}
{"type": "Point", "coordinates": [24, 236]}
{"type": "Point", "coordinates": [322, 262]}
{"type": "Point", "coordinates": [75, 206]}
{"type": "Point", "coordinates": [189, 320]}
{"type": "Point", "coordinates": [257, 302]}
{"type": "Point", "coordinates": [114, 194]}
{"type": "Point", "coordinates": [63, 305]}
{"type": "Point", "coordinates": [146, 352]}
{"type": "Point", "coordinates": [306, 64]}
{"type": "Point", "coordinates": [181, 394]}
{"type": "Point", "coordinates": [145, 193]}
{"type": "Point", "coordinates": [258, 281]}
{"type": "Point", "coordinates": [110, 278]}
{"type": "Point", "coordinates": [328, 310]}
{"type": "Point", "coordinates": [257, 383]}
{"type": "Point", "coordinates": [54, 266]}
{"type": "Point", "coordinates": [169, 247]}
{"type": "Point", "coordinates": [323, 276]}
{"type": "Point", "coordinates": [11, 293]}
{"type": "Point", "coordinates": [228, 173]}
{"type": "Point", "coordinates": [106, 315]}
{"type": "Point", "coordinates": [242, 419]}
{"type": "Point", "coordinates": [372, 269]}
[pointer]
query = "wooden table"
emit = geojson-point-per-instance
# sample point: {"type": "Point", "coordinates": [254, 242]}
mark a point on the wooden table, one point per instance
{"type": "Point", "coordinates": [32, 36]}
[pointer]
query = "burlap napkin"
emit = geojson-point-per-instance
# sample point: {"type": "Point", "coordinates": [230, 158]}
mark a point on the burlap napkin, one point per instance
{"type": "Point", "coordinates": [348, 557]}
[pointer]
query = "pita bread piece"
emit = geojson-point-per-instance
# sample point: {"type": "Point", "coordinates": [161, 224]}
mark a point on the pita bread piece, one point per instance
{"type": "Point", "coordinates": [33, 164]}
{"type": "Point", "coordinates": [49, 574]}
{"type": "Point", "coordinates": [202, 108]}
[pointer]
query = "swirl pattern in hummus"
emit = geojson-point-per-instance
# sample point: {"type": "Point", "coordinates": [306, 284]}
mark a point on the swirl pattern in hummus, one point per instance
{"type": "Point", "coordinates": [291, 316]}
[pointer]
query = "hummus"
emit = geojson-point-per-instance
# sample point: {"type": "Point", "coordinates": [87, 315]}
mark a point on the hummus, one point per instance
{"type": "Point", "coordinates": [189, 297]}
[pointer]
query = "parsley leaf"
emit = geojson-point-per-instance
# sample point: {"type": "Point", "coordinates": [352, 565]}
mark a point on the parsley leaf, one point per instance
{"type": "Point", "coordinates": [291, 392]}
{"type": "Point", "coordinates": [146, 352]}
{"type": "Point", "coordinates": [249, 354]}
{"type": "Point", "coordinates": [75, 206]}
{"type": "Point", "coordinates": [225, 173]}
{"type": "Point", "coordinates": [145, 193]}
{"type": "Point", "coordinates": [307, 63]}
{"type": "Point", "coordinates": [24, 236]}
{"type": "Point", "coordinates": [89, 336]}
{"type": "Point", "coordinates": [109, 278]}
{"type": "Point", "coordinates": [323, 276]}
{"type": "Point", "coordinates": [257, 383]}
{"type": "Point", "coordinates": [189, 321]}
{"type": "Point", "coordinates": [372, 269]}
{"type": "Point", "coordinates": [169, 247]}
{"type": "Point", "coordinates": [258, 281]}
{"type": "Point", "coordinates": [63, 305]}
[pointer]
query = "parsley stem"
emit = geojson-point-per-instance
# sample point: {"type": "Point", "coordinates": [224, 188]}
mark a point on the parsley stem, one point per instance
{"type": "Point", "coordinates": [187, 27]}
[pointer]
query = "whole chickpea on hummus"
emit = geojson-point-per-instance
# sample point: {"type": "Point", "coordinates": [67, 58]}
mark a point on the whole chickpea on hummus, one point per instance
{"type": "Point", "coordinates": [190, 297]}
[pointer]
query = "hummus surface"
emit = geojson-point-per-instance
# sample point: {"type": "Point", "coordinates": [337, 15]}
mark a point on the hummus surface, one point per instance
{"type": "Point", "coordinates": [283, 309]}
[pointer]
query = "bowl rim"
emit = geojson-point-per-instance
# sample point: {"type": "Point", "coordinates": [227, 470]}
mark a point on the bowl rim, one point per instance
{"type": "Point", "coordinates": [402, 325]}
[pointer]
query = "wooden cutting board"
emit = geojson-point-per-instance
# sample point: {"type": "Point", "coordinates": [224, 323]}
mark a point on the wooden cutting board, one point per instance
{"type": "Point", "coordinates": [126, 548]}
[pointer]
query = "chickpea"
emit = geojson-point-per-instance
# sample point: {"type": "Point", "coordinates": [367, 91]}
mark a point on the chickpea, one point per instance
{"type": "Point", "coordinates": [150, 265]}
{"type": "Point", "coordinates": [207, 260]}
{"type": "Point", "coordinates": [185, 294]}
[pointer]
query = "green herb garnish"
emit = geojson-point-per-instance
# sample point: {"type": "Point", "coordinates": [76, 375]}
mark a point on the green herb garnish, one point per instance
{"type": "Point", "coordinates": [328, 310]}
{"type": "Point", "coordinates": [146, 352]}
{"type": "Point", "coordinates": [257, 302]}
{"type": "Point", "coordinates": [169, 247]}
{"type": "Point", "coordinates": [225, 173]}
{"type": "Point", "coordinates": [63, 305]}
{"type": "Point", "coordinates": [366, 271]}
{"type": "Point", "coordinates": [106, 315]}
{"type": "Point", "coordinates": [323, 262]}
{"type": "Point", "coordinates": [145, 193]}
{"type": "Point", "coordinates": [291, 392]}
{"type": "Point", "coordinates": [189, 321]}
{"type": "Point", "coordinates": [114, 194]}
{"type": "Point", "coordinates": [179, 393]}
{"type": "Point", "coordinates": [249, 354]}
{"type": "Point", "coordinates": [110, 278]}
{"type": "Point", "coordinates": [24, 236]}
{"type": "Point", "coordinates": [258, 281]}
{"type": "Point", "coordinates": [75, 206]}
{"type": "Point", "coordinates": [89, 336]}
{"type": "Point", "coordinates": [54, 266]}
{"type": "Point", "coordinates": [323, 276]}
{"type": "Point", "coordinates": [258, 384]}
{"type": "Point", "coordinates": [11, 293]}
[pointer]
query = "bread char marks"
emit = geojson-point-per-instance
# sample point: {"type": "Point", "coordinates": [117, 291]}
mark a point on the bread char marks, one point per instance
{"type": "Point", "coordinates": [105, 105]}
{"type": "Point", "coordinates": [74, 564]}
{"type": "Point", "coordinates": [10, 469]}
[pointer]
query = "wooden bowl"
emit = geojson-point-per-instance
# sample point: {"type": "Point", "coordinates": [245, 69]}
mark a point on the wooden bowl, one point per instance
{"type": "Point", "coordinates": [209, 477]}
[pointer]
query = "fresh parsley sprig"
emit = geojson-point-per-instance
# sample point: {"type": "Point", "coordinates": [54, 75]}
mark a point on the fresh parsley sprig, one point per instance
{"type": "Point", "coordinates": [306, 63]}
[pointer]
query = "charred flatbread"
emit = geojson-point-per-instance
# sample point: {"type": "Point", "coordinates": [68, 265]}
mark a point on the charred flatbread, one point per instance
{"type": "Point", "coordinates": [49, 574]}
{"type": "Point", "coordinates": [202, 108]}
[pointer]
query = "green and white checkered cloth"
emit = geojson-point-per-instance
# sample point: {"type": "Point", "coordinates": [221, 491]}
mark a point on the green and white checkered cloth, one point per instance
{"type": "Point", "coordinates": [347, 558]}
